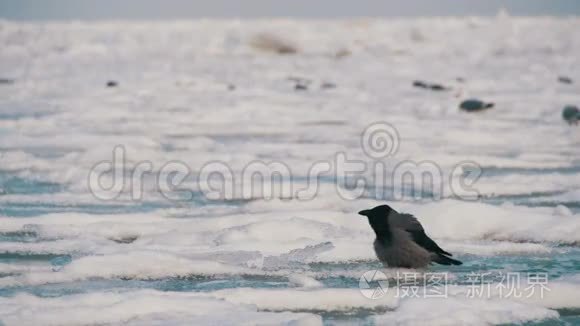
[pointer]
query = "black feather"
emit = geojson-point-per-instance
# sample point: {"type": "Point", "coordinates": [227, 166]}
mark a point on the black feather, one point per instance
{"type": "Point", "coordinates": [427, 243]}
{"type": "Point", "coordinates": [444, 260]}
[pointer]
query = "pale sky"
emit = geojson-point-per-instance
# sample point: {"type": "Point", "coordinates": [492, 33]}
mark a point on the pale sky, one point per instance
{"type": "Point", "coordinates": [183, 9]}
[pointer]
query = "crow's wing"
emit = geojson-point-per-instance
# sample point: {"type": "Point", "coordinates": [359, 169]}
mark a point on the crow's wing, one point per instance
{"type": "Point", "coordinates": [424, 241]}
{"type": "Point", "coordinates": [405, 221]}
{"type": "Point", "coordinates": [410, 224]}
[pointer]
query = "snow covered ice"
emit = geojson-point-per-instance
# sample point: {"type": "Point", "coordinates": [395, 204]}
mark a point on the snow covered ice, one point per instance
{"type": "Point", "coordinates": [214, 90]}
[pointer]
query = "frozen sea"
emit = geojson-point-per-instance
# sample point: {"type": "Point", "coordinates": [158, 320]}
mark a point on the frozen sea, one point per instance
{"type": "Point", "coordinates": [203, 91]}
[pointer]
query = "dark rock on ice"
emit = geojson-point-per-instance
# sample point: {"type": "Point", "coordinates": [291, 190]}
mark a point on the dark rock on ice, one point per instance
{"type": "Point", "coordinates": [475, 105]}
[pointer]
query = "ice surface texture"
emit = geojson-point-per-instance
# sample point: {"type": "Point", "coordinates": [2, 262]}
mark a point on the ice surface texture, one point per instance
{"type": "Point", "coordinates": [225, 90]}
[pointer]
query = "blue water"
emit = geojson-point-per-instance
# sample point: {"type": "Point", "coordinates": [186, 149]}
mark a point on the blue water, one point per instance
{"type": "Point", "coordinates": [554, 265]}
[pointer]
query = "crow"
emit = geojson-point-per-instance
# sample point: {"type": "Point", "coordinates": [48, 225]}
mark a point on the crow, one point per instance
{"type": "Point", "coordinates": [401, 240]}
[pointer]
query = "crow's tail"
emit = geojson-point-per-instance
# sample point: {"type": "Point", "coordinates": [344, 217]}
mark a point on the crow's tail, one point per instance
{"type": "Point", "coordinates": [444, 260]}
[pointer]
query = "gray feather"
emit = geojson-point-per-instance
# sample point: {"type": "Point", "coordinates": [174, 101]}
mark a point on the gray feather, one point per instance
{"type": "Point", "coordinates": [402, 251]}
{"type": "Point", "coordinates": [404, 221]}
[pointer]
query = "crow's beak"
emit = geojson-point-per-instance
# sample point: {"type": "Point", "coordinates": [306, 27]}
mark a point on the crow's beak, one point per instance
{"type": "Point", "coordinates": [364, 212]}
